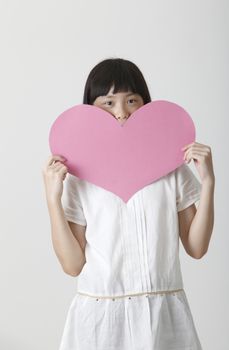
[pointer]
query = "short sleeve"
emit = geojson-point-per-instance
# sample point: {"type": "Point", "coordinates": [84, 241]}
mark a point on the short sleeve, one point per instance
{"type": "Point", "coordinates": [71, 203]}
{"type": "Point", "coordinates": [188, 187]}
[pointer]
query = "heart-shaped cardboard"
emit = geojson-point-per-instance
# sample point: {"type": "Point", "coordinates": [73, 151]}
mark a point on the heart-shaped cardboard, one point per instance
{"type": "Point", "coordinates": [122, 158]}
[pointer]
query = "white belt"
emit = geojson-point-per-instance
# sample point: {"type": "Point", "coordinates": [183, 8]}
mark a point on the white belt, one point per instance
{"type": "Point", "coordinates": [162, 292]}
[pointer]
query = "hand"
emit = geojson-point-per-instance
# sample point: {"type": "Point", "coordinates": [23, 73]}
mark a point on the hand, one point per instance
{"type": "Point", "coordinates": [54, 172]}
{"type": "Point", "coordinates": [202, 156]}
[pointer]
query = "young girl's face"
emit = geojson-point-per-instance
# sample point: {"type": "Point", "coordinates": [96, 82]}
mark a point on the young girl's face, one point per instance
{"type": "Point", "coordinates": [121, 105]}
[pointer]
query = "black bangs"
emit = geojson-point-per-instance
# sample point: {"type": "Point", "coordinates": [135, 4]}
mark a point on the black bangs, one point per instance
{"type": "Point", "coordinates": [122, 74]}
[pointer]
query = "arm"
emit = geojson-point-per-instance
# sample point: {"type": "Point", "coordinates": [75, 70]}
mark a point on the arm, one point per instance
{"type": "Point", "coordinates": [67, 248]}
{"type": "Point", "coordinates": [196, 225]}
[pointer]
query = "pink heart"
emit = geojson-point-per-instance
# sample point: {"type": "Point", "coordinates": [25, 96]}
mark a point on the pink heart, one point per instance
{"type": "Point", "coordinates": [122, 158]}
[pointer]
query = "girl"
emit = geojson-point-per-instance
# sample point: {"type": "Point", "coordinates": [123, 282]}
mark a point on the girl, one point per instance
{"type": "Point", "coordinates": [126, 255]}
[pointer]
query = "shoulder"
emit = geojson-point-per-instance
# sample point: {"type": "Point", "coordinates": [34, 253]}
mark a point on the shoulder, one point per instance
{"type": "Point", "coordinates": [73, 180]}
{"type": "Point", "coordinates": [184, 173]}
{"type": "Point", "coordinates": [183, 169]}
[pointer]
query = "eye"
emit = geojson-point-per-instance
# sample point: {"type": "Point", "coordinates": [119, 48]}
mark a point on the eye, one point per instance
{"type": "Point", "coordinates": [132, 99]}
{"type": "Point", "coordinates": [107, 103]}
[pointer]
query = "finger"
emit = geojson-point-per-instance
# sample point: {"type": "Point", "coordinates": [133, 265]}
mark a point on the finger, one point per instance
{"type": "Point", "coordinates": [64, 170]}
{"type": "Point", "coordinates": [196, 145]}
{"type": "Point", "coordinates": [54, 158]}
{"type": "Point", "coordinates": [56, 166]}
{"type": "Point", "coordinates": [195, 156]}
{"type": "Point", "coordinates": [190, 152]}
{"type": "Point", "coordinates": [59, 167]}
{"type": "Point", "coordinates": [187, 146]}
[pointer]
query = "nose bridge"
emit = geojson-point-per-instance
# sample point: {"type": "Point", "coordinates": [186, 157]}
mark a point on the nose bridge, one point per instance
{"type": "Point", "coordinates": [121, 110]}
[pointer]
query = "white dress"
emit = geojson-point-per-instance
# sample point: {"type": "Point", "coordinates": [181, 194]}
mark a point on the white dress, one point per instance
{"type": "Point", "coordinates": [130, 292]}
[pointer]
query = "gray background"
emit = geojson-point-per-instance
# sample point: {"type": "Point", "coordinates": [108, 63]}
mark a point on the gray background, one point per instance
{"type": "Point", "coordinates": [47, 50]}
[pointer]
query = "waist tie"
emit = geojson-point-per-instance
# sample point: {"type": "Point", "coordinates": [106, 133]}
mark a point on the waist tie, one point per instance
{"type": "Point", "coordinates": [162, 292]}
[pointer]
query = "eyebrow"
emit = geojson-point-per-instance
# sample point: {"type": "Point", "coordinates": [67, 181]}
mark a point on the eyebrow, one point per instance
{"type": "Point", "coordinates": [130, 94]}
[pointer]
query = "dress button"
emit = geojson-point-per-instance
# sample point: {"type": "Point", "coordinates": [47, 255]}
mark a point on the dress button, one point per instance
{"type": "Point", "coordinates": [97, 299]}
{"type": "Point", "coordinates": [113, 299]}
{"type": "Point", "coordinates": [147, 296]}
{"type": "Point", "coordinates": [129, 297]}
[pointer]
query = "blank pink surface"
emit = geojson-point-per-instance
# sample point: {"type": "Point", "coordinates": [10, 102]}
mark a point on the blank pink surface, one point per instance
{"type": "Point", "coordinates": [122, 158]}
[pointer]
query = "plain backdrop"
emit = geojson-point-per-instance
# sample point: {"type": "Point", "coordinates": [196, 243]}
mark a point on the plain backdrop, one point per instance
{"type": "Point", "coordinates": [47, 51]}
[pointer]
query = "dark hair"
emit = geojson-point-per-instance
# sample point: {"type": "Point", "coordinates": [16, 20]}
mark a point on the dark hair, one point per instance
{"type": "Point", "coordinates": [124, 75]}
